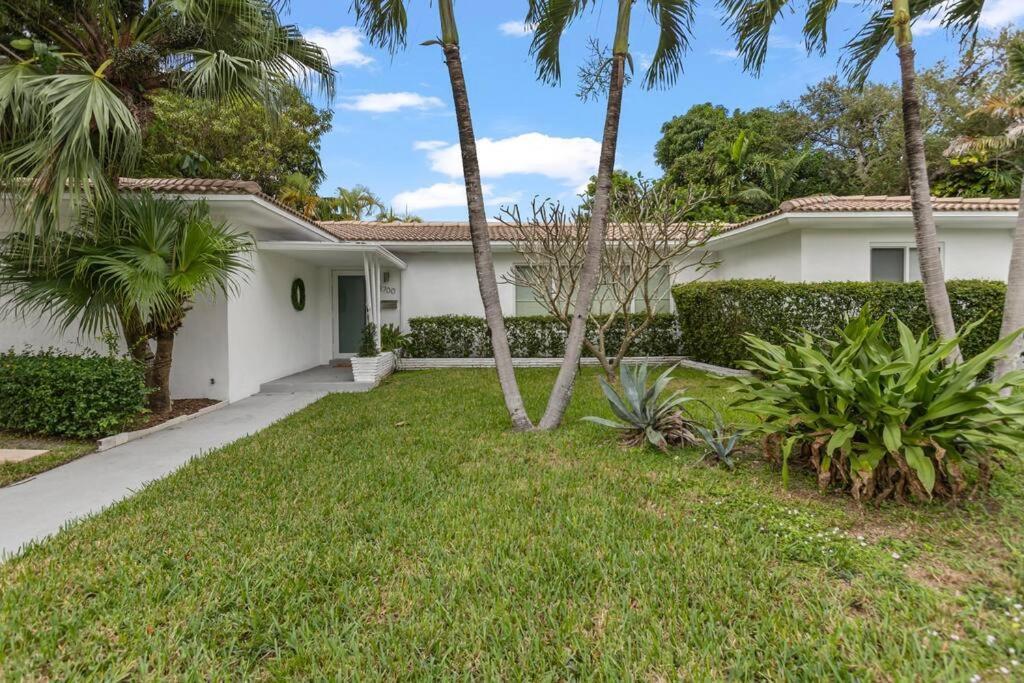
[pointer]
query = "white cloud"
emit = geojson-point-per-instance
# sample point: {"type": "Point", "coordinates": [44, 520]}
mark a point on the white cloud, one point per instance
{"type": "Point", "coordinates": [995, 14]}
{"type": "Point", "coordinates": [726, 54]}
{"type": "Point", "coordinates": [344, 45]}
{"type": "Point", "coordinates": [427, 145]}
{"type": "Point", "coordinates": [516, 29]}
{"type": "Point", "coordinates": [383, 102]}
{"type": "Point", "coordinates": [441, 195]}
{"type": "Point", "coordinates": [569, 160]}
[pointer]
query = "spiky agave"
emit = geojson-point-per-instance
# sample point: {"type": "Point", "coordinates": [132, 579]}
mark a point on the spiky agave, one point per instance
{"type": "Point", "coordinates": [645, 413]}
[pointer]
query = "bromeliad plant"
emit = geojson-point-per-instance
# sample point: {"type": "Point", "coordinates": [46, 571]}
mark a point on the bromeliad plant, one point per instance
{"type": "Point", "coordinates": [645, 413]}
{"type": "Point", "coordinates": [882, 420]}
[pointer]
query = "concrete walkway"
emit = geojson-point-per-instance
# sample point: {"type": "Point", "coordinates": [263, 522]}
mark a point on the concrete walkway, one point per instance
{"type": "Point", "coordinates": [38, 507]}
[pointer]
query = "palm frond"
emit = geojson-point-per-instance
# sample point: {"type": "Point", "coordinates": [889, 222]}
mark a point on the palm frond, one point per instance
{"type": "Point", "coordinates": [675, 22]}
{"type": "Point", "coordinates": [552, 18]}
{"type": "Point", "coordinates": [384, 22]}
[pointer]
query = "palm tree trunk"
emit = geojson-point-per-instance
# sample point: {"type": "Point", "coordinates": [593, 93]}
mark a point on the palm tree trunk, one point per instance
{"type": "Point", "coordinates": [160, 399]}
{"type": "Point", "coordinates": [481, 238]}
{"type": "Point", "coordinates": [590, 275]}
{"type": "Point", "coordinates": [1013, 308]}
{"type": "Point", "coordinates": [935, 295]}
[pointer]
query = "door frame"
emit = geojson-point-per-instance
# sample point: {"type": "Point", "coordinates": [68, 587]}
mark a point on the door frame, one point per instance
{"type": "Point", "coordinates": [335, 322]}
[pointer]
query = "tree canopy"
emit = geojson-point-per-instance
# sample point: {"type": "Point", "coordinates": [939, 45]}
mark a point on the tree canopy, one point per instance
{"type": "Point", "coordinates": [849, 138]}
{"type": "Point", "coordinates": [236, 139]}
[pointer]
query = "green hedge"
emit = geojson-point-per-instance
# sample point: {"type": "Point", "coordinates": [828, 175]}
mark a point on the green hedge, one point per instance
{"type": "Point", "coordinates": [81, 397]}
{"type": "Point", "coordinates": [713, 315]}
{"type": "Point", "coordinates": [463, 336]}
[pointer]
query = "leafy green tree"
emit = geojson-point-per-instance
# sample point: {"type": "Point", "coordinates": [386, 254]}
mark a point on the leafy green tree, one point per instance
{"type": "Point", "coordinates": [1008, 107]}
{"type": "Point", "coordinates": [235, 139]}
{"type": "Point", "coordinates": [136, 264]}
{"type": "Point", "coordinates": [74, 91]}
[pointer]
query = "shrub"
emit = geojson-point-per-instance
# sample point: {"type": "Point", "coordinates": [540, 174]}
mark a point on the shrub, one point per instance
{"type": "Point", "coordinates": [368, 342]}
{"type": "Point", "coordinates": [713, 316]}
{"type": "Point", "coordinates": [644, 414]}
{"type": "Point", "coordinates": [882, 420]}
{"type": "Point", "coordinates": [463, 336]}
{"type": "Point", "coordinates": [80, 397]}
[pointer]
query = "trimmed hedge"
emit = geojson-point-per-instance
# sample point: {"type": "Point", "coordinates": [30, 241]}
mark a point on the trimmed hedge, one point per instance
{"type": "Point", "coordinates": [464, 336]}
{"type": "Point", "coordinates": [82, 397]}
{"type": "Point", "coordinates": [713, 315]}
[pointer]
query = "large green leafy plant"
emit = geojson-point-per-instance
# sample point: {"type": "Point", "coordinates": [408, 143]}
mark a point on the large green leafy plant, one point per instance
{"type": "Point", "coordinates": [647, 413]}
{"type": "Point", "coordinates": [883, 420]}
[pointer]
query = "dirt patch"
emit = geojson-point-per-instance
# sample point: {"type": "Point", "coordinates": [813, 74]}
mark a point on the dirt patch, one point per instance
{"type": "Point", "coordinates": [182, 406]}
{"type": "Point", "coordinates": [936, 574]}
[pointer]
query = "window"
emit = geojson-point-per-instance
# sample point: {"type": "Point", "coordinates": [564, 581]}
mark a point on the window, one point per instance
{"type": "Point", "coordinates": [896, 264]}
{"type": "Point", "coordinates": [659, 290]}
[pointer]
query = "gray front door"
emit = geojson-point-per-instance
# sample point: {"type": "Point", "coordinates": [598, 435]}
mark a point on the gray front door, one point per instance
{"type": "Point", "coordinates": [351, 312]}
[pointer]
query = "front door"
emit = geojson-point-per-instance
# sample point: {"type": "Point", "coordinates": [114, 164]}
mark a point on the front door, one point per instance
{"type": "Point", "coordinates": [351, 312]}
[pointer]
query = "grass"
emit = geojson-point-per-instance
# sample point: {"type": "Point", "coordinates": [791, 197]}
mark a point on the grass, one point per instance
{"type": "Point", "coordinates": [60, 451]}
{"type": "Point", "coordinates": [405, 534]}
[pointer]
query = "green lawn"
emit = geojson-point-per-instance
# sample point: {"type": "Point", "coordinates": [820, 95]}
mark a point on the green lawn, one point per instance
{"type": "Point", "coordinates": [59, 452]}
{"type": "Point", "coordinates": [406, 534]}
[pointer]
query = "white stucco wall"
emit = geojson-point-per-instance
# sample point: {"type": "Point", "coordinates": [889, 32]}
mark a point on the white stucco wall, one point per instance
{"type": "Point", "coordinates": [266, 337]}
{"type": "Point", "coordinates": [200, 365]}
{"type": "Point", "coordinates": [441, 283]}
{"type": "Point", "coordinates": [37, 334]}
{"type": "Point", "coordinates": [831, 254]}
{"type": "Point", "coordinates": [775, 257]}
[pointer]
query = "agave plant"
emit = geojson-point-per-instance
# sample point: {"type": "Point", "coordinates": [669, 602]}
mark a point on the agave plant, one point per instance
{"type": "Point", "coordinates": [719, 438]}
{"type": "Point", "coordinates": [884, 420]}
{"type": "Point", "coordinates": [645, 413]}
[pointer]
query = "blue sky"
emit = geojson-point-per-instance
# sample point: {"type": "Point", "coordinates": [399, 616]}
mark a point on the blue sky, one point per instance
{"type": "Point", "coordinates": [394, 128]}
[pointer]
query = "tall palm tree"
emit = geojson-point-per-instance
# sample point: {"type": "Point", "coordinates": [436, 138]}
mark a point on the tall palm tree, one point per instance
{"type": "Point", "coordinates": [552, 18]}
{"type": "Point", "coordinates": [752, 21]}
{"type": "Point", "coordinates": [1009, 108]}
{"type": "Point", "coordinates": [138, 264]}
{"type": "Point", "coordinates": [358, 202]}
{"type": "Point", "coordinates": [76, 80]}
{"type": "Point", "coordinates": [385, 23]}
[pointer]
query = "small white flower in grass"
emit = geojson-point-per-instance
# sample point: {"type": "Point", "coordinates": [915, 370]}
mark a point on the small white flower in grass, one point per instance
{"type": "Point", "coordinates": [1003, 670]}
{"type": "Point", "coordinates": [860, 538]}
{"type": "Point", "coordinates": [954, 637]}
{"type": "Point", "coordinates": [1014, 662]}
{"type": "Point", "coordinates": [863, 544]}
{"type": "Point", "coordinates": [1012, 651]}
{"type": "Point", "coordinates": [990, 639]}
{"type": "Point", "coordinates": [895, 556]}
{"type": "Point", "coordinates": [975, 678]}
{"type": "Point", "coordinates": [1017, 605]}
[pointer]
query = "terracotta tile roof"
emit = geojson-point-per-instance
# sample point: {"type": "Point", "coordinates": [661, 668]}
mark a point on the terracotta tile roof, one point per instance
{"type": "Point", "coordinates": [206, 186]}
{"type": "Point", "coordinates": [862, 203]}
{"type": "Point", "coordinates": [410, 232]}
{"type": "Point", "coordinates": [191, 185]}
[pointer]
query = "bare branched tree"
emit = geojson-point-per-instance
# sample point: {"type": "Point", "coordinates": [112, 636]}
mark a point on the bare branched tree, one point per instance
{"type": "Point", "coordinates": [650, 243]}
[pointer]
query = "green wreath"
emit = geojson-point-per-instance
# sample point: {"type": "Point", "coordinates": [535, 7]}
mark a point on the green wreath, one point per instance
{"type": "Point", "coordinates": [298, 294]}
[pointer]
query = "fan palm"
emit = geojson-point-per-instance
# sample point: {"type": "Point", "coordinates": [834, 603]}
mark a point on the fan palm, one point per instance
{"type": "Point", "coordinates": [75, 83]}
{"type": "Point", "coordinates": [1009, 108]}
{"type": "Point", "coordinates": [752, 21]}
{"type": "Point", "coordinates": [137, 264]}
{"type": "Point", "coordinates": [385, 23]}
{"type": "Point", "coordinates": [552, 18]}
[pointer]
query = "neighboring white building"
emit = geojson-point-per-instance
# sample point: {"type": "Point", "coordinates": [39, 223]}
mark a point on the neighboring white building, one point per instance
{"type": "Point", "coordinates": [391, 272]}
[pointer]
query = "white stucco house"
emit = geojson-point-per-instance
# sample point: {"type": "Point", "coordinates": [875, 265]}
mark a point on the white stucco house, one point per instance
{"type": "Point", "coordinates": [388, 273]}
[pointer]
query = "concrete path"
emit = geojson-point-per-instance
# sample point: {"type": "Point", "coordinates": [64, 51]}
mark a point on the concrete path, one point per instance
{"type": "Point", "coordinates": [40, 506]}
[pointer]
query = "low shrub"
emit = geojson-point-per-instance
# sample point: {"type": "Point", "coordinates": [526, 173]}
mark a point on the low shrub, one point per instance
{"type": "Point", "coordinates": [82, 397]}
{"type": "Point", "coordinates": [713, 316]}
{"type": "Point", "coordinates": [882, 420]}
{"type": "Point", "coordinates": [463, 336]}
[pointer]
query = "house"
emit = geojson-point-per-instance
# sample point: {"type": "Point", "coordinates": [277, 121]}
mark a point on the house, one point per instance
{"type": "Point", "coordinates": [354, 272]}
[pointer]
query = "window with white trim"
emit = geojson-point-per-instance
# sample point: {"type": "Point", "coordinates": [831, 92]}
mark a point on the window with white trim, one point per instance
{"type": "Point", "coordinates": [896, 263]}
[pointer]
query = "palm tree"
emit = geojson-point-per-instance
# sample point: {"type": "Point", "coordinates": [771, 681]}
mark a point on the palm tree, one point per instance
{"type": "Point", "coordinates": [752, 21]}
{"type": "Point", "coordinates": [385, 23]}
{"type": "Point", "coordinates": [137, 264]}
{"type": "Point", "coordinates": [357, 203]}
{"type": "Point", "coordinates": [76, 80]}
{"type": "Point", "coordinates": [777, 177]}
{"type": "Point", "coordinates": [1010, 109]}
{"type": "Point", "coordinates": [552, 18]}
{"type": "Point", "coordinates": [299, 194]}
